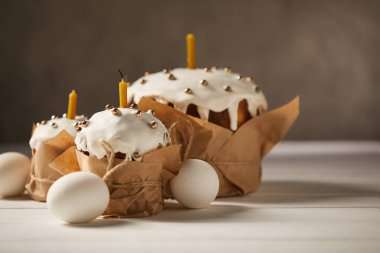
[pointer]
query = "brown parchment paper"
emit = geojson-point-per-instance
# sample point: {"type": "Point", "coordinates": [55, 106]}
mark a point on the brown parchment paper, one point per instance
{"type": "Point", "coordinates": [136, 187]}
{"type": "Point", "coordinates": [236, 156]}
{"type": "Point", "coordinates": [55, 158]}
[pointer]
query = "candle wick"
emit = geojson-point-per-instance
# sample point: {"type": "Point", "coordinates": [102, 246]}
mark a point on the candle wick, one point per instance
{"type": "Point", "coordinates": [121, 74]}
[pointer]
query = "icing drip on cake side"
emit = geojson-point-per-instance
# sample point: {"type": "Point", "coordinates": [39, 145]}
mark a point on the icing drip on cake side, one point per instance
{"type": "Point", "coordinates": [216, 90]}
{"type": "Point", "coordinates": [203, 113]}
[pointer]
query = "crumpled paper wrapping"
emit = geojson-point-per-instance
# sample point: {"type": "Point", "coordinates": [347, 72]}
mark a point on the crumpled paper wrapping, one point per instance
{"type": "Point", "coordinates": [136, 187]}
{"type": "Point", "coordinates": [55, 158]}
{"type": "Point", "coordinates": [236, 156]}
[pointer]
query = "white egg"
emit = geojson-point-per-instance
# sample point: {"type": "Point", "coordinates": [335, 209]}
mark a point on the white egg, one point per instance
{"type": "Point", "coordinates": [196, 184]}
{"type": "Point", "coordinates": [78, 197]}
{"type": "Point", "coordinates": [14, 172]}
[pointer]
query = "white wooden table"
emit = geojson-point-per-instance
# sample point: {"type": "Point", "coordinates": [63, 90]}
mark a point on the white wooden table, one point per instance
{"type": "Point", "coordinates": [315, 197]}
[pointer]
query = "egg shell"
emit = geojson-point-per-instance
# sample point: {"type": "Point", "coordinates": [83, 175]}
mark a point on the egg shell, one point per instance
{"type": "Point", "coordinates": [196, 184]}
{"type": "Point", "coordinates": [78, 197]}
{"type": "Point", "coordinates": [14, 172]}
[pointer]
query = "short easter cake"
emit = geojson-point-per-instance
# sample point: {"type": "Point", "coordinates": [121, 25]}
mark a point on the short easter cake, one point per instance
{"type": "Point", "coordinates": [50, 143]}
{"type": "Point", "coordinates": [53, 151]}
{"type": "Point", "coordinates": [131, 151]}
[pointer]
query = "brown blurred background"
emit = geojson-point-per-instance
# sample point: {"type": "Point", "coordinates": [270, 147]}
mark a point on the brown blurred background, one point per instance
{"type": "Point", "coordinates": [325, 51]}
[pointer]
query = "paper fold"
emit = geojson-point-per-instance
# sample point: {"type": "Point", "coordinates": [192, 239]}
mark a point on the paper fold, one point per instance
{"type": "Point", "coordinates": [52, 160]}
{"type": "Point", "coordinates": [136, 187]}
{"type": "Point", "coordinates": [236, 156]}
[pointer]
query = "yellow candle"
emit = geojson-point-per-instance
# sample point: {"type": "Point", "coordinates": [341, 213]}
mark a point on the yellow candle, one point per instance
{"type": "Point", "coordinates": [190, 51]}
{"type": "Point", "coordinates": [72, 107]}
{"type": "Point", "coordinates": [123, 93]}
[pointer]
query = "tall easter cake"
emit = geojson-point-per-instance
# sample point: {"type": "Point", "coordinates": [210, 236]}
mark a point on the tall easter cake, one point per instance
{"type": "Point", "coordinates": [218, 116]}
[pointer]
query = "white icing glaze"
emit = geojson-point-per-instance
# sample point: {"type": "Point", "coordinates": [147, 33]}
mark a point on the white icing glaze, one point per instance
{"type": "Point", "coordinates": [45, 132]}
{"type": "Point", "coordinates": [212, 96]}
{"type": "Point", "coordinates": [126, 133]}
{"type": "Point", "coordinates": [81, 117]}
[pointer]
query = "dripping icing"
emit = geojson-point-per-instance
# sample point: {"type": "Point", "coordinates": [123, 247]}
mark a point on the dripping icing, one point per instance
{"type": "Point", "coordinates": [206, 98]}
{"type": "Point", "coordinates": [233, 113]}
{"type": "Point", "coordinates": [203, 112]}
